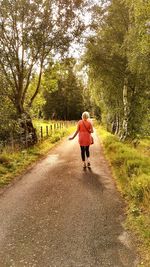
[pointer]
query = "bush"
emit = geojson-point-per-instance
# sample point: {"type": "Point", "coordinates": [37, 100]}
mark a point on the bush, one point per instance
{"type": "Point", "coordinates": [140, 189]}
{"type": "Point", "coordinates": [55, 138]}
{"type": "Point", "coordinates": [4, 159]}
{"type": "Point", "coordinates": [137, 166]}
{"type": "Point", "coordinates": [2, 170]}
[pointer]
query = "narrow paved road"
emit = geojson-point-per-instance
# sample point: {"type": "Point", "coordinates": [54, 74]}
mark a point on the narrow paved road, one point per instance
{"type": "Point", "coordinates": [58, 215]}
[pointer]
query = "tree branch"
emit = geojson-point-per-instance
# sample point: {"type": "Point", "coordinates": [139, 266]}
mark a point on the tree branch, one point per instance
{"type": "Point", "coordinates": [28, 77]}
{"type": "Point", "coordinates": [38, 84]}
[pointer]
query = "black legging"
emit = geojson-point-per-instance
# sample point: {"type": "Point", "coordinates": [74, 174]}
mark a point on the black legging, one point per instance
{"type": "Point", "coordinates": [85, 150]}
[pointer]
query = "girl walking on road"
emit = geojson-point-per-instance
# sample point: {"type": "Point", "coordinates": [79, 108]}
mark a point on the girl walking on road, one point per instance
{"type": "Point", "coordinates": [84, 128]}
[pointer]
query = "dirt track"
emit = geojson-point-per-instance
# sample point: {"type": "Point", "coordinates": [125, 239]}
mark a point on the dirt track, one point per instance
{"type": "Point", "coordinates": [58, 215]}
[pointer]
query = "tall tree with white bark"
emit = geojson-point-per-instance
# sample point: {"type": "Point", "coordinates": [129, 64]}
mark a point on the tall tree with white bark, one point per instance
{"type": "Point", "coordinates": [118, 60]}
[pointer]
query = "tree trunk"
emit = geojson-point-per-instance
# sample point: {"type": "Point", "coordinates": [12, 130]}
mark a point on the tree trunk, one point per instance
{"type": "Point", "coordinates": [117, 124]}
{"type": "Point", "coordinates": [114, 125]}
{"type": "Point", "coordinates": [126, 111]}
{"type": "Point", "coordinates": [28, 132]}
{"type": "Point", "coordinates": [109, 123]}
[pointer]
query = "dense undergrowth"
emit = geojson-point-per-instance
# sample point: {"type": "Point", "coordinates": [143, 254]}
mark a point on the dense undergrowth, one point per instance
{"type": "Point", "coordinates": [15, 163]}
{"type": "Point", "coordinates": [131, 169]}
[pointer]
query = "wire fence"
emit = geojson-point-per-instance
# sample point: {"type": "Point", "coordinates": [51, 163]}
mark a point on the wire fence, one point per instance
{"type": "Point", "coordinates": [43, 131]}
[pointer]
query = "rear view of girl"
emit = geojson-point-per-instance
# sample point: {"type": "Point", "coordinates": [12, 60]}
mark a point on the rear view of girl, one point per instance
{"type": "Point", "coordinates": [84, 128]}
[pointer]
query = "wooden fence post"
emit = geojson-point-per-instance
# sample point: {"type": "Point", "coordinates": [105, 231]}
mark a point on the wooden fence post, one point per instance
{"type": "Point", "coordinates": [46, 130]}
{"type": "Point", "coordinates": [51, 129]}
{"type": "Point", "coordinates": [41, 132]}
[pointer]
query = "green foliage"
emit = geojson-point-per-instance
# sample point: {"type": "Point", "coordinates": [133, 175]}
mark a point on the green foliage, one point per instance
{"type": "Point", "coordinates": [56, 137]}
{"type": "Point", "coordinates": [118, 55]}
{"type": "Point", "coordinates": [140, 189]}
{"type": "Point", "coordinates": [97, 112]}
{"type": "Point", "coordinates": [7, 117]}
{"type": "Point", "coordinates": [31, 33]}
{"type": "Point", "coordinates": [106, 59]}
{"type": "Point", "coordinates": [127, 161]}
{"type": "Point", "coordinates": [138, 51]}
{"type": "Point", "coordinates": [63, 93]}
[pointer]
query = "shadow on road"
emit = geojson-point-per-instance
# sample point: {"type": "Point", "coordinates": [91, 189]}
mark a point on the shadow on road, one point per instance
{"type": "Point", "coordinates": [92, 180]}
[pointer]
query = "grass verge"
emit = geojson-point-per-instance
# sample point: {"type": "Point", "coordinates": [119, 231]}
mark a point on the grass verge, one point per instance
{"type": "Point", "coordinates": [131, 169]}
{"type": "Point", "coordinates": [14, 164]}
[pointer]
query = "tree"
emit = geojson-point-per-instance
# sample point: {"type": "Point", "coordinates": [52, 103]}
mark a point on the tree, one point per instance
{"type": "Point", "coordinates": [107, 61]}
{"type": "Point", "coordinates": [63, 92]}
{"type": "Point", "coordinates": [30, 32]}
{"type": "Point", "coordinates": [138, 53]}
{"type": "Point", "coordinates": [118, 67]}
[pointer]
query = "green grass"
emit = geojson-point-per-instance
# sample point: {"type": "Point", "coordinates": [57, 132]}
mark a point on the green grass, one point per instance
{"type": "Point", "coordinates": [144, 146]}
{"type": "Point", "coordinates": [15, 163]}
{"type": "Point", "coordinates": [131, 170]}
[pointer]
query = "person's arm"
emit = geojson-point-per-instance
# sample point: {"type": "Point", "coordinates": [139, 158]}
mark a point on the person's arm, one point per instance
{"type": "Point", "coordinates": [76, 132]}
{"type": "Point", "coordinates": [72, 137]}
